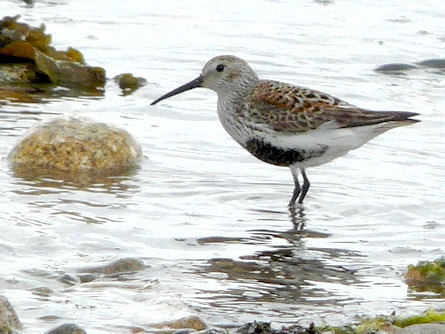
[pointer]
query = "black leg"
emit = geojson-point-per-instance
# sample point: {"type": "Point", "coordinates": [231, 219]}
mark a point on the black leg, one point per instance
{"type": "Point", "coordinates": [306, 185]}
{"type": "Point", "coordinates": [297, 188]}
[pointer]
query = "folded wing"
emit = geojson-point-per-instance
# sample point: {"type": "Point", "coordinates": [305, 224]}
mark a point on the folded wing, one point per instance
{"type": "Point", "coordinates": [292, 109]}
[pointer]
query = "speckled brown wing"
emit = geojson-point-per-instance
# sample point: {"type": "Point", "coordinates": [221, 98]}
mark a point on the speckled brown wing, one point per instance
{"type": "Point", "coordinates": [290, 109]}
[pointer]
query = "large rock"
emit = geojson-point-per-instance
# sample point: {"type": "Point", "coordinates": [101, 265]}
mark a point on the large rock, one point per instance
{"type": "Point", "coordinates": [75, 145]}
{"type": "Point", "coordinates": [21, 43]}
{"type": "Point", "coordinates": [8, 318]}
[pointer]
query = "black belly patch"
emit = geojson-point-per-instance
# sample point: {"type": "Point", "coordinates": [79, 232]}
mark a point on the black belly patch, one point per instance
{"type": "Point", "coordinates": [280, 156]}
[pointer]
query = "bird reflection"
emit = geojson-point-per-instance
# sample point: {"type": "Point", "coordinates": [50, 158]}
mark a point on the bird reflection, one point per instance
{"type": "Point", "coordinates": [297, 217]}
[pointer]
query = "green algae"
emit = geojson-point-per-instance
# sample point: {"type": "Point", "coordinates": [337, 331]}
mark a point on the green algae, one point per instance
{"type": "Point", "coordinates": [429, 316]}
{"type": "Point", "coordinates": [384, 323]}
{"type": "Point", "coordinates": [427, 276]}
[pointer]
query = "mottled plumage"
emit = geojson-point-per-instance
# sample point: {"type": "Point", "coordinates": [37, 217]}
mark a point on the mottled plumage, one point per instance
{"type": "Point", "coordinates": [288, 125]}
{"type": "Point", "coordinates": [289, 109]}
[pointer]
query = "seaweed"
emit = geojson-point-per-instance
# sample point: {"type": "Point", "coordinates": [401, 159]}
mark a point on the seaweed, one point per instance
{"type": "Point", "coordinates": [385, 323]}
{"type": "Point", "coordinates": [20, 42]}
{"type": "Point", "coordinates": [427, 276]}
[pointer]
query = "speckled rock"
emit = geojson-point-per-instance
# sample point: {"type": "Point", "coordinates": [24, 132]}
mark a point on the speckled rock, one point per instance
{"type": "Point", "coordinates": [67, 328]}
{"type": "Point", "coordinates": [76, 145]}
{"type": "Point", "coordinates": [8, 318]}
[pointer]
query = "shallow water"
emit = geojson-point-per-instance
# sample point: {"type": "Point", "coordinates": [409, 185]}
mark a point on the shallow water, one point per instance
{"type": "Point", "coordinates": [209, 220]}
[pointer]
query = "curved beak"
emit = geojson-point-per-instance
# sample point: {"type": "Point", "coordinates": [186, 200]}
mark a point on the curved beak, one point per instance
{"type": "Point", "coordinates": [189, 85]}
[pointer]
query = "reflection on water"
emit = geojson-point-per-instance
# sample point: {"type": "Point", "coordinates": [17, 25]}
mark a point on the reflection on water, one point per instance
{"type": "Point", "coordinates": [43, 93]}
{"type": "Point", "coordinates": [44, 178]}
{"type": "Point", "coordinates": [284, 280]}
{"type": "Point", "coordinates": [209, 221]}
{"type": "Point", "coordinates": [297, 217]}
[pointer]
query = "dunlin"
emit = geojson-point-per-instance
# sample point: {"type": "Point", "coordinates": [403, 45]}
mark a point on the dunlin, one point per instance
{"type": "Point", "coordinates": [287, 125]}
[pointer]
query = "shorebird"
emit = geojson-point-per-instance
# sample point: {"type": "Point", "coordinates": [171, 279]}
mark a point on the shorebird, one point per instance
{"type": "Point", "coordinates": [288, 125]}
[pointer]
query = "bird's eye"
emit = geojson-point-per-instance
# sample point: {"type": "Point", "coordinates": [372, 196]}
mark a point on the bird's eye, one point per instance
{"type": "Point", "coordinates": [220, 67]}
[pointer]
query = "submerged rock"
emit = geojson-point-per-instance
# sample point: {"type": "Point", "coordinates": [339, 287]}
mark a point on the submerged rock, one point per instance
{"type": "Point", "coordinates": [128, 82]}
{"type": "Point", "coordinates": [126, 264]}
{"type": "Point", "coordinates": [8, 317]}
{"type": "Point", "coordinates": [190, 322]}
{"type": "Point", "coordinates": [75, 145]}
{"type": "Point", "coordinates": [67, 328]}
{"type": "Point", "coordinates": [433, 63]}
{"type": "Point", "coordinates": [401, 68]}
{"type": "Point", "coordinates": [395, 68]}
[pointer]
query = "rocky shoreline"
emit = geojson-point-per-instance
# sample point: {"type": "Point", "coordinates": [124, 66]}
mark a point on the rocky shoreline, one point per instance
{"type": "Point", "coordinates": [430, 322]}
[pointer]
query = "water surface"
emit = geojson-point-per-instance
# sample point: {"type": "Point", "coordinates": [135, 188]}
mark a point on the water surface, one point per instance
{"type": "Point", "coordinates": [209, 220]}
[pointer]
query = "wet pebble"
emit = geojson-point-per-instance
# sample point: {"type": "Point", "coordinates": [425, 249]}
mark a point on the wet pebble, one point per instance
{"type": "Point", "coordinates": [67, 328]}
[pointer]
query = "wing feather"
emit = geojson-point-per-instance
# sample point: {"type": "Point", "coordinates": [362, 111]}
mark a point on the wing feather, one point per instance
{"type": "Point", "coordinates": [292, 109]}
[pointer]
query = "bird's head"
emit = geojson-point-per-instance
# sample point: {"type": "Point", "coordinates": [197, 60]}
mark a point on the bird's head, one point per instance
{"type": "Point", "coordinates": [226, 75]}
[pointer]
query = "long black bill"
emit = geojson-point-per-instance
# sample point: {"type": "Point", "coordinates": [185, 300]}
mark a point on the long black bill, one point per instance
{"type": "Point", "coordinates": [189, 85]}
